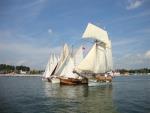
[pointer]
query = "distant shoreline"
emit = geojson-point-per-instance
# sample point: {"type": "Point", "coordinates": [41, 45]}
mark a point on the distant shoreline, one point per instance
{"type": "Point", "coordinates": [40, 75]}
{"type": "Point", "coordinates": [20, 75]}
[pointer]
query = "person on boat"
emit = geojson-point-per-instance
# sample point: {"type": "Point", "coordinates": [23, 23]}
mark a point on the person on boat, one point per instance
{"type": "Point", "coordinates": [106, 75]}
{"type": "Point", "coordinates": [111, 73]}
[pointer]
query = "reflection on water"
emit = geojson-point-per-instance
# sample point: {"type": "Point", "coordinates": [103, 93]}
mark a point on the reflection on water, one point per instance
{"type": "Point", "coordinates": [32, 95]}
{"type": "Point", "coordinates": [60, 91]}
{"type": "Point", "coordinates": [81, 98]}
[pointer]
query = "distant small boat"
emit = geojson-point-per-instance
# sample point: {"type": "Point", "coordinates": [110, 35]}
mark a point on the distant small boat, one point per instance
{"type": "Point", "coordinates": [117, 73]}
{"type": "Point", "coordinates": [97, 83]}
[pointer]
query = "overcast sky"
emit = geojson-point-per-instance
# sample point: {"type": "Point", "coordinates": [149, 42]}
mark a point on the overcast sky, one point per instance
{"type": "Point", "coordinates": [31, 29]}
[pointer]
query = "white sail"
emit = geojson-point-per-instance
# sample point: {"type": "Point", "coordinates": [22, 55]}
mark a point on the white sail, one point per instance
{"type": "Point", "coordinates": [66, 65]}
{"type": "Point", "coordinates": [46, 71]}
{"type": "Point", "coordinates": [109, 56]}
{"type": "Point", "coordinates": [100, 60]}
{"type": "Point", "coordinates": [67, 71]}
{"type": "Point", "coordinates": [64, 53]}
{"type": "Point", "coordinates": [62, 60]}
{"type": "Point", "coordinates": [94, 62]}
{"type": "Point", "coordinates": [58, 58]}
{"type": "Point", "coordinates": [55, 60]}
{"type": "Point", "coordinates": [48, 68]}
{"type": "Point", "coordinates": [53, 64]}
{"type": "Point", "coordinates": [78, 57]}
{"type": "Point", "coordinates": [95, 32]}
{"type": "Point", "coordinates": [87, 63]}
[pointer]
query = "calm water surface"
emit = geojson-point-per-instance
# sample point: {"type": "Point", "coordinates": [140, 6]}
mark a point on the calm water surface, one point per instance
{"type": "Point", "coordinates": [32, 95]}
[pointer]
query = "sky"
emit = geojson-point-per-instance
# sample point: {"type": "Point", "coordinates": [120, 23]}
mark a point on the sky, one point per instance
{"type": "Point", "coordinates": [32, 29]}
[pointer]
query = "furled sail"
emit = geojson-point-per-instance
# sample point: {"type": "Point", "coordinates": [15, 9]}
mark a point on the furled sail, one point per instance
{"type": "Point", "coordinates": [96, 33]}
{"type": "Point", "coordinates": [94, 62]}
{"type": "Point", "coordinates": [78, 57]}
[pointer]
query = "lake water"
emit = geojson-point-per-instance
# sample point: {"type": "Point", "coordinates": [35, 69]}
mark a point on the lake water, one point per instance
{"type": "Point", "coordinates": [32, 95]}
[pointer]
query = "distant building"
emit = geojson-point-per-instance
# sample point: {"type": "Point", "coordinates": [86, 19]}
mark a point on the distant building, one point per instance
{"type": "Point", "coordinates": [23, 72]}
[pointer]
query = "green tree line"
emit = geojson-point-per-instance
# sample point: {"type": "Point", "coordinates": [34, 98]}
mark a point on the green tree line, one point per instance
{"type": "Point", "coordinates": [142, 70]}
{"type": "Point", "coordinates": [4, 68]}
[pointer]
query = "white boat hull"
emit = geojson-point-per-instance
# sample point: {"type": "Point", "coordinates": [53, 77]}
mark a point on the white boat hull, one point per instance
{"type": "Point", "coordinates": [55, 80]}
{"type": "Point", "coordinates": [97, 83]}
{"type": "Point", "coordinates": [44, 79]}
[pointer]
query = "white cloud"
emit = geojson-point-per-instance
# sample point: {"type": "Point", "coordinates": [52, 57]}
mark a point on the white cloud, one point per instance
{"type": "Point", "coordinates": [147, 54]}
{"type": "Point", "coordinates": [21, 62]}
{"type": "Point", "coordinates": [33, 3]}
{"type": "Point", "coordinates": [124, 41]}
{"type": "Point", "coordinates": [35, 7]}
{"type": "Point", "coordinates": [25, 49]}
{"type": "Point", "coordinates": [24, 53]}
{"type": "Point", "coordinates": [133, 60]}
{"type": "Point", "coordinates": [130, 18]}
{"type": "Point", "coordinates": [24, 11]}
{"type": "Point", "coordinates": [132, 4]}
{"type": "Point", "coordinates": [50, 31]}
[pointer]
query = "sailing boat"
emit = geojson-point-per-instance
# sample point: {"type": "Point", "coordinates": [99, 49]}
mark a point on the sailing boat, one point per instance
{"type": "Point", "coordinates": [52, 77]}
{"type": "Point", "coordinates": [47, 69]}
{"type": "Point", "coordinates": [66, 65]}
{"type": "Point", "coordinates": [51, 65]}
{"type": "Point", "coordinates": [55, 65]}
{"type": "Point", "coordinates": [98, 61]}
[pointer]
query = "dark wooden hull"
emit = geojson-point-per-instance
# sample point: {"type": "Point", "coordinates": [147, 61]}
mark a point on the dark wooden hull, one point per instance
{"type": "Point", "coordinates": [72, 81]}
